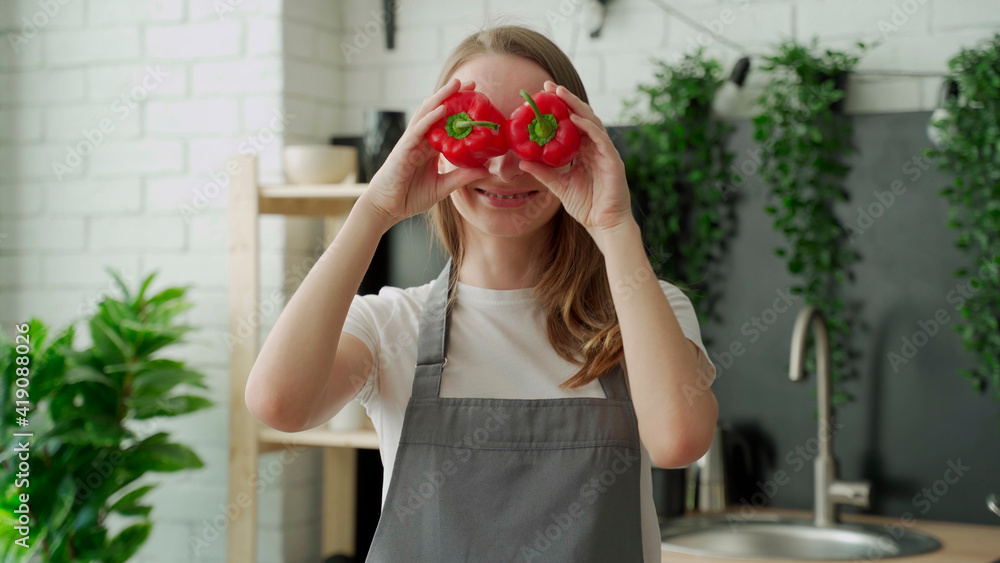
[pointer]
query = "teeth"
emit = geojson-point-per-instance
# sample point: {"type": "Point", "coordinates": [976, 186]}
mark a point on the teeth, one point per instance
{"type": "Point", "coordinates": [499, 196]}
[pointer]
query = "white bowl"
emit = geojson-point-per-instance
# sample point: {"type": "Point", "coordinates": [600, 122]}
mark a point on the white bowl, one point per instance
{"type": "Point", "coordinates": [320, 164]}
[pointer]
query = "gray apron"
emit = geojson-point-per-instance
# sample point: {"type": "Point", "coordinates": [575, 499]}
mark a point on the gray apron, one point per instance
{"type": "Point", "coordinates": [480, 479]}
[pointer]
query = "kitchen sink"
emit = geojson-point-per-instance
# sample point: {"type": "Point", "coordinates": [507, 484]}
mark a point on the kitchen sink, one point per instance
{"type": "Point", "coordinates": [822, 537]}
{"type": "Point", "coordinates": [783, 537]}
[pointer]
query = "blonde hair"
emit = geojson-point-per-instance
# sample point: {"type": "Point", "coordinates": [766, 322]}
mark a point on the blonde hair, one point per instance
{"type": "Point", "coordinates": [573, 284]}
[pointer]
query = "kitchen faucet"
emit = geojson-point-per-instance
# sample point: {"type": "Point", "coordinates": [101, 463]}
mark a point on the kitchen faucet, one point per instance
{"type": "Point", "coordinates": [829, 492]}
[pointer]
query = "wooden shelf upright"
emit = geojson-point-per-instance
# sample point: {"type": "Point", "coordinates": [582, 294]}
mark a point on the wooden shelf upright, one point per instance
{"type": "Point", "coordinates": [248, 438]}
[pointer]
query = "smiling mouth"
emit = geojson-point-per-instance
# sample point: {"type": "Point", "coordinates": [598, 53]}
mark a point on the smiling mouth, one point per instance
{"type": "Point", "coordinates": [502, 196]}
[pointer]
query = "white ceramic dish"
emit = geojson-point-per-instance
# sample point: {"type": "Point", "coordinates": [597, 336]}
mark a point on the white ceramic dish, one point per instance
{"type": "Point", "coordinates": [320, 164]}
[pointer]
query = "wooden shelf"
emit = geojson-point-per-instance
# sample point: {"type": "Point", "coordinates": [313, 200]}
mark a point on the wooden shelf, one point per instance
{"type": "Point", "coordinates": [319, 200]}
{"type": "Point", "coordinates": [248, 438]}
{"type": "Point", "coordinates": [320, 437]}
{"type": "Point", "coordinates": [313, 191]}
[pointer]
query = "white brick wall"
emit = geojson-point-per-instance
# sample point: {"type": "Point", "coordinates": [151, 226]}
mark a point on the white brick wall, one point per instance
{"type": "Point", "coordinates": [108, 83]}
{"type": "Point", "coordinates": [143, 103]}
{"type": "Point", "coordinates": [180, 85]}
{"type": "Point", "coordinates": [124, 12]}
{"type": "Point", "coordinates": [90, 197]}
{"type": "Point", "coordinates": [70, 48]}
{"type": "Point", "coordinates": [928, 32]}
{"type": "Point", "coordinates": [219, 115]}
{"type": "Point", "coordinates": [35, 88]}
{"type": "Point", "coordinates": [22, 13]}
{"type": "Point", "coordinates": [237, 77]}
{"type": "Point", "coordinates": [195, 41]}
{"type": "Point", "coordinates": [67, 123]}
{"type": "Point", "coordinates": [24, 124]}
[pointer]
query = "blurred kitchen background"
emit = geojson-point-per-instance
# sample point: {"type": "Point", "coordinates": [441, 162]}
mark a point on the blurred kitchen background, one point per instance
{"type": "Point", "coordinates": [118, 119]}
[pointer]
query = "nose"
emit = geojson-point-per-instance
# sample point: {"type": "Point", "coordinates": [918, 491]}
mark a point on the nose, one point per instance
{"type": "Point", "coordinates": [505, 166]}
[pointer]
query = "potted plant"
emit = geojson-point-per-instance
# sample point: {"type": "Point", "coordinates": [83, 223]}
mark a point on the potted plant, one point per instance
{"type": "Point", "coordinates": [85, 411]}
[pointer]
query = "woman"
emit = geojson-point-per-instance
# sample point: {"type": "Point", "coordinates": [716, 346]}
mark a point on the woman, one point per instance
{"type": "Point", "coordinates": [520, 397]}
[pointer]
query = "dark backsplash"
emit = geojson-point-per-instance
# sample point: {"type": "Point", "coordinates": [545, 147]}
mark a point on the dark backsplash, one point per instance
{"type": "Point", "coordinates": [911, 420]}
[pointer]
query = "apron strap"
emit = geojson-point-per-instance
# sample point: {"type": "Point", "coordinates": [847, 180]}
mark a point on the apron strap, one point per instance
{"type": "Point", "coordinates": [432, 347]}
{"type": "Point", "coordinates": [613, 382]}
{"type": "Point", "coordinates": [432, 340]}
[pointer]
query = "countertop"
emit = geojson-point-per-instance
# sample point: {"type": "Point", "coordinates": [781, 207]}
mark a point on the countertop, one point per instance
{"type": "Point", "coordinates": [960, 543]}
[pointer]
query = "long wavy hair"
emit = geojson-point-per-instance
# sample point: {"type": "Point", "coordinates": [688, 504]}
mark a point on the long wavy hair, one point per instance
{"type": "Point", "coordinates": [573, 287]}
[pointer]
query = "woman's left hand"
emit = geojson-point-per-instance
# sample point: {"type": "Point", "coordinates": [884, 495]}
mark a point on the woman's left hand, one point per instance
{"type": "Point", "coordinates": [593, 191]}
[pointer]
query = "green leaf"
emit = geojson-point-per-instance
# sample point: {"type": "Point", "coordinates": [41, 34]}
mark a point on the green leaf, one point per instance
{"type": "Point", "coordinates": [108, 344]}
{"type": "Point", "coordinates": [84, 373]}
{"type": "Point", "coordinates": [101, 431]}
{"type": "Point", "coordinates": [149, 407]}
{"type": "Point", "coordinates": [159, 381]}
{"type": "Point", "coordinates": [120, 283]}
{"type": "Point", "coordinates": [162, 457]}
{"type": "Point", "coordinates": [60, 511]}
{"type": "Point", "coordinates": [128, 504]}
{"type": "Point", "coordinates": [127, 543]}
{"type": "Point", "coordinates": [167, 295]}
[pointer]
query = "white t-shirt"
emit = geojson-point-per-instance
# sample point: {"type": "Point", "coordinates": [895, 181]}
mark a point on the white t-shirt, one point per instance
{"type": "Point", "coordinates": [497, 348]}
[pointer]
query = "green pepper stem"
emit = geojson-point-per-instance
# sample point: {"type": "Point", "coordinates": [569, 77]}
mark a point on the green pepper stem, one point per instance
{"type": "Point", "coordinates": [531, 102]}
{"type": "Point", "coordinates": [464, 124]}
{"type": "Point", "coordinates": [542, 126]}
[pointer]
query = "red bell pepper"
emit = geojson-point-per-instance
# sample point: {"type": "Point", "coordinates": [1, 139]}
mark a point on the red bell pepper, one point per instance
{"type": "Point", "coordinates": [540, 130]}
{"type": "Point", "coordinates": [471, 132]}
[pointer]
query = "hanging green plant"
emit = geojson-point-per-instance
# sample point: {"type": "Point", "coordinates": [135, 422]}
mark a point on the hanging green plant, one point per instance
{"type": "Point", "coordinates": [970, 149]}
{"type": "Point", "coordinates": [806, 140]}
{"type": "Point", "coordinates": [676, 162]}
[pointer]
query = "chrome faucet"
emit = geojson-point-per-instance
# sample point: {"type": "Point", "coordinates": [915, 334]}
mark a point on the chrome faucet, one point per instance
{"type": "Point", "coordinates": [829, 492]}
{"type": "Point", "coordinates": [993, 503]}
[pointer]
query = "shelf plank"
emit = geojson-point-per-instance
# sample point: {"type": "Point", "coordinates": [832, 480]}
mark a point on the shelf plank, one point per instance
{"type": "Point", "coordinates": [321, 437]}
{"type": "Point", "coordinates": [313, 191]}
{"type": "Point", "coordinates": [309, 199]}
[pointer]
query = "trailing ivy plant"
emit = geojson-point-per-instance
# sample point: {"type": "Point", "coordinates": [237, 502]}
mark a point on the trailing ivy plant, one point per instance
{"type": "Point", "coordinates": [806, 139]}
{"type": "Point", "coordinates": [88, 412]}
{"type": "Point", "coordinates": [970, 149]}
{"type": "Point", "coordinates": [677, 162]}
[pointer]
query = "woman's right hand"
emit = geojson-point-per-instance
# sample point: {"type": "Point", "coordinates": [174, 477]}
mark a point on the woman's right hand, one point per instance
{"type": "Point", "coordinates": [408, 182]}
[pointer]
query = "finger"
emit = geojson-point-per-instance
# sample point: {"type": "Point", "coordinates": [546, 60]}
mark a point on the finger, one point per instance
{"type": "Point", "coordinates": [424, 125]}
{"type": "Point", "coordinates": [403, 165]}
{"type": "Point", "coordinates": [549, 86]}
{"type": "Point", "coordinates": [578, 106]}
{"type": "Point", "coordinates": [546, 175]}
{"type": "Point", "coordinates": [435, 99]}
{"type": "Point", "coordinates": [470, 85]}
{"type": "Point", "coordinates": [596, 134]}
{"type": "Point", "coordinates": [451, 181]}
{"type": "Point", "coordinates": [415, 133]}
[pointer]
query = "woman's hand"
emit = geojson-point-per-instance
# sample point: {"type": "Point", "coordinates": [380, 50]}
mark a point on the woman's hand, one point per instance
{"type": "Point", "coordinates": [408, 182]}
{"type": "Point", "coordinates": [593, 191]}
